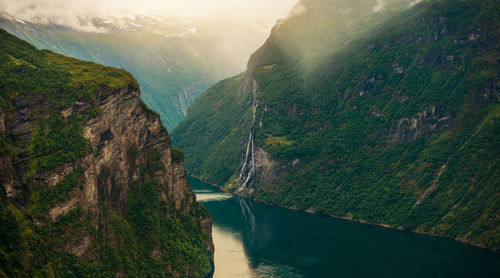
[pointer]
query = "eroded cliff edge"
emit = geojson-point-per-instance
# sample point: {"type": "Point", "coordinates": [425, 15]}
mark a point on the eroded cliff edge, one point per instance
{"type": "Point", "coordinates": [90, 183]}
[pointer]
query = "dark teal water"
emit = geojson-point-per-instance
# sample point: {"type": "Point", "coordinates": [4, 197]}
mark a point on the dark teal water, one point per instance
{"type": "Point", "coordinates": [255, 240]}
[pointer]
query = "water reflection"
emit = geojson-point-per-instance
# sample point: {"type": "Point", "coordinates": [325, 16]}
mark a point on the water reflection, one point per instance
{"type": "Point", "coordinates": [206, 195]}
{"type": "Point", "coordinates": [247, 213]}
{"type": "Point", "coordinates": [230, 258]}
{"type": "Point", "coordinates": [254, 240]}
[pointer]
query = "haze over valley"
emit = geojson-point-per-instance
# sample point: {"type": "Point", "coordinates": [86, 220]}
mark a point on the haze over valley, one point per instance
{"type": "Point", "coordinates": [175, 50]}
{"type": "Point", "coordinates": [254, 139]}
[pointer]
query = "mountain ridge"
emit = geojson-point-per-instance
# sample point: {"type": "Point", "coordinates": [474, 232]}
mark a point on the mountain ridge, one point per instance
{"type": "Point", "coordinates": [393, 125]}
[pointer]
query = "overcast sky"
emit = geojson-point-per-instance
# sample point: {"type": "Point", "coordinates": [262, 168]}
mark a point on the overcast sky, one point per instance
{"type": "Point", "coordinates": [68, 12]}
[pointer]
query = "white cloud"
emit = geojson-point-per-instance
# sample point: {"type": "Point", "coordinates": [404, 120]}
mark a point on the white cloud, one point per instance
{"type": "Point", "coordinates": [78, 13]}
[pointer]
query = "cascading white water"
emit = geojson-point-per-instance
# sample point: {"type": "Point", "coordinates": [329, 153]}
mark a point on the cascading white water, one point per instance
{"type": "Point", "coordinates": [247, 170]}
{"type": "Point", "coordinates": [246, 159]}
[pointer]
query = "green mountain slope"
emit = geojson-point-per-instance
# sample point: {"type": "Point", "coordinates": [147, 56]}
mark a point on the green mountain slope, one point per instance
{"type": "Point", "coordinates": [172, 71]}
{"type": "Point", "coordinates": [90, 186]}
{"type": "Point", "coordinates": [388, 115]}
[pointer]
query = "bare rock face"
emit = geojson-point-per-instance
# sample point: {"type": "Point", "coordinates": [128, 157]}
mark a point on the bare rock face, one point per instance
{"type": "Point", "coordinates": [123, 125]}
{"type": "Point", "coordinates": [432, 119]}
{"type": "Point", "coordinates": [267, 168]}
{"type": "Point", "coordinates": [78, 246]}
{"type": "Point", "coordinates": [107, 167]}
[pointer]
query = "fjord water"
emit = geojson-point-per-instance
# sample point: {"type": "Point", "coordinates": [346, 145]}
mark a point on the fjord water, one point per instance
{"type": "Point", "coordinates": [256, 240]}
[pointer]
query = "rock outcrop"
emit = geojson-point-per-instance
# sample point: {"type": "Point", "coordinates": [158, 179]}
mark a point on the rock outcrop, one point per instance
{"type": "Point", "coordinates": [433, 119]}
{"type": "Point", "coordinates": [90, 177]}
{"type": "Point", "coordinates": [124, 125]}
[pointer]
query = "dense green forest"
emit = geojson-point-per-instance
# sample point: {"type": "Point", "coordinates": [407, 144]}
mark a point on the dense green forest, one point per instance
{"type": "Point", "coordinates": [41, 85]}
{"type": "Point", "coordinates": [389, 115]}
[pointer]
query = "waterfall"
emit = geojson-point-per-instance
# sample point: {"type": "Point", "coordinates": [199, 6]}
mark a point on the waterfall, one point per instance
{"type": "Point", "coordinates": [247, 170]}
{"type": "Point", "coordinates": [246, 158]}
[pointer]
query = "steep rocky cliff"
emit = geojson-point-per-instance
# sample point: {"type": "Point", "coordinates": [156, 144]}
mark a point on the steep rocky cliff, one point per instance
{"type": "Point", "coordinates": [386, 113]}
{"type": "Point", "coordinates": [90, 184]}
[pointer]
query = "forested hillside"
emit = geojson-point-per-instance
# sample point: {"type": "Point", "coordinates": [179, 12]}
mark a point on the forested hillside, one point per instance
{"type": "Point", "coordinates": [384, 113]}
{"type": "Point", "coordinates": [90, 186]}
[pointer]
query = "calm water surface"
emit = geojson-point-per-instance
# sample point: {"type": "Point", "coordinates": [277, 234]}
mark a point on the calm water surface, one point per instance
{"type": "Point", "coordinates": [255, 240]}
